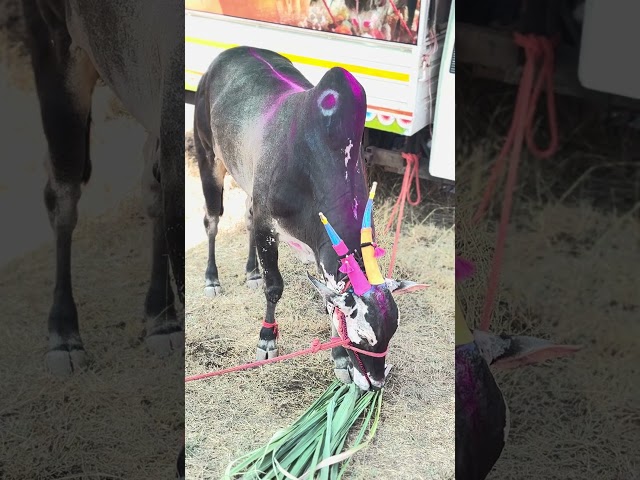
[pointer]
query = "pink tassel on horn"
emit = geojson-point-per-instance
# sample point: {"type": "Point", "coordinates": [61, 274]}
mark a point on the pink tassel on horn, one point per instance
{"type": "Point", "coordinates": [346, 268]}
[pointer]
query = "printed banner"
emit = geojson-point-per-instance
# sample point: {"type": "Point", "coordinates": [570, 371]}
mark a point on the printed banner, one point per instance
{"type": "Point", "coordinates": [386, 20]}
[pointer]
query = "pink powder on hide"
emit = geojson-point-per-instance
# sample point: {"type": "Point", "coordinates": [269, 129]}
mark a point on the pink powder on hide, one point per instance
{"type": "Point", "coordinates": [328, 102]}
{"type": "Point", "coordinates": [355, 86]}
{"type": "Point", "coordinates": [286, 80]}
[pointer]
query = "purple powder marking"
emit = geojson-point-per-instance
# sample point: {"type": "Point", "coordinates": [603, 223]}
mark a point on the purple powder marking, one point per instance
{"type": "Point", "coordinates": [288, 81]}
{"type": "Point", "coordinates": [274, 107]}
{"type": "Point", "coordinates": [466, 384]}
{"type": "Point", "coordinates": [329, 101]}
{"type": "Point", "coordinates": [464, 268]}
{"type": "Point", "coordinates": [353, 83]}
{"type": "Point", "coordinates": [381, 300]}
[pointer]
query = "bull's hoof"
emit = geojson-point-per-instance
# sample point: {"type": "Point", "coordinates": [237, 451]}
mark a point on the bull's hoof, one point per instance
{"type": "Point", "coordinates": [343, 375]}
{"type": "Point", "coordinates": [262, 354]}
{"type": "Point", "coordinates": [165, 343]}
{"type": "Point", "coordinates": [64, 362]}
{"type": "Point", "coordinates": [254, 282]}
{"type": "Point", "coordinates": [212, 291]}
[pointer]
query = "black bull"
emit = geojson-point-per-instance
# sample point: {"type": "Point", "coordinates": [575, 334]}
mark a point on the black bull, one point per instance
{"type": "Point", "coordinates": [138, 52]}
{"type": "Point", "coordinates": [295, 149]}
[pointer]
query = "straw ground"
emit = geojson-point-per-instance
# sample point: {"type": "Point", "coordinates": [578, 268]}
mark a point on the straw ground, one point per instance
{"type": "Point", "coordinates": [569, 276]}
{"type": "Point", "coordinates": [230, 415]}
{"type": "Point", "coordinates": [122, 418]}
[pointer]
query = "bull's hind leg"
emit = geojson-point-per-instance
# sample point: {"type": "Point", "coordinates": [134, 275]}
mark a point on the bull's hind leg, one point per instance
{"type": "Point", "coordinates": [163, 331]}
{"type": "Point", "coordinates": [267, 247]}
{"type": "Point", "coordinates": [65, 79]}
{"type": "Point", "coordinates": [212, 174]}
{"type": "Point", "coordinates": [254, 279]}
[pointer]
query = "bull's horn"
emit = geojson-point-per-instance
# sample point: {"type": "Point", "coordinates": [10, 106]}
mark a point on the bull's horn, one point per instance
{"type": "Point", "coordinates": [349, 264]}
{"type": "Point", "coordinates": [369, 250]}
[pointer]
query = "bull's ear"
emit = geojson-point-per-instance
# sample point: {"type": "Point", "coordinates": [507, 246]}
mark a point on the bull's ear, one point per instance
{"type": "Point", "coordinates": [327, 293]}
{"type": "Point", "coordinates": [513, 351]}
{"type": "Point", "coordinates": [398, 287]}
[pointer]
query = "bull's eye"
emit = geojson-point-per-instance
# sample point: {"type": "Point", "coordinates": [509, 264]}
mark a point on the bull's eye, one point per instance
{"type": "Point", "coordinates": [371, 342]}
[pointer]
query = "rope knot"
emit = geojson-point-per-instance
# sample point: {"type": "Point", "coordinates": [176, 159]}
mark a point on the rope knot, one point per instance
{"type": "Point", "coordinates": [316, 345]}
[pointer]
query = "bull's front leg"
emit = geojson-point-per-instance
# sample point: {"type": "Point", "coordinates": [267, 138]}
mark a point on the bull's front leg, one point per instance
{"type": "Point", "coordinates": [267, 247]}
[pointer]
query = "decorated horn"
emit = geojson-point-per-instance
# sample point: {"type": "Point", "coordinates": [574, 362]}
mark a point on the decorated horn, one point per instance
{"type": "Point", "coordinates": [370, 251]}
{"type": "Point", "coordinates": [349, 264]}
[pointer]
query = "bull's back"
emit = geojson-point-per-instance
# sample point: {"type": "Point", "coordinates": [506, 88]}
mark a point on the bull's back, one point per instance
{"type": "Point", "coordinates": [237, 100]}
{"type": "Point", "coordinates": [243, 81]}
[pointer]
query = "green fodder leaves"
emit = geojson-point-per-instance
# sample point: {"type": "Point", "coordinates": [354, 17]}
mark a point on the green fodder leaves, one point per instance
{"type": "Point", "coordinates": [312, 447]}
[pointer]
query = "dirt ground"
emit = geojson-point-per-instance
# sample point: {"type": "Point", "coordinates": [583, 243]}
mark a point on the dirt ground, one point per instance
{"type": "Point", "coordinates": [567, 277]}
{"type": "Point", "coordinates": [230, 415]}
{"type": "Point", "coordinates": [95, 424]}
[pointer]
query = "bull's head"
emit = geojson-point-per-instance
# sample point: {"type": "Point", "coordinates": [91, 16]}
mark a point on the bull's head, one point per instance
{"type": "Point", "coordinates": [367, 309]}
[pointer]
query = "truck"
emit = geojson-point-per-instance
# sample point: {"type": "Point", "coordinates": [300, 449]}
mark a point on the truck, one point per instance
{"type": "Point", "coordinates": [401, 51]}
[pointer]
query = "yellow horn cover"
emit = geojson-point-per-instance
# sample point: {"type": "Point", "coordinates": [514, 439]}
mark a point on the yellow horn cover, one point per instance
{"type": "Point", "coordinates": [463, 334]}
{"type": "Point", "coordinates": [370, 263]}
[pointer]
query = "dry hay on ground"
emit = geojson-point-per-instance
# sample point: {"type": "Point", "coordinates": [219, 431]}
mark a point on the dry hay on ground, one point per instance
{"type": "Point", "coordinates": [569, 276]}
{"type": "Point", "coordinates": [120, 419]}
{"type": "Point", "coordinates": [117, 420]}
{"type": "Point", "coordinates": [230, 415]}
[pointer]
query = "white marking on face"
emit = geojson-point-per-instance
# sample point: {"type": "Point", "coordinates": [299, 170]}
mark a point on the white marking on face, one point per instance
{"type": "Point", "coordinates": [358, 328]}
{"type": "Point", "coordinates": [360, 380]}
{"type": "Point", "coordinates": [347, 153]}
{"type": "Point", "coordinates": [355, 208]}
{"type": "Point", "coordinates": [329, 279]}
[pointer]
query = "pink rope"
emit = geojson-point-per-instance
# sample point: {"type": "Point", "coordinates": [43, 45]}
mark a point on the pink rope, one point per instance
{"type": "Point", "coordinates": [315, 347]}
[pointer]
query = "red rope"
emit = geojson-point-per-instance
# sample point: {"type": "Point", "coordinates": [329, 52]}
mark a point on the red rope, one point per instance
{"type": "Point", "coordinates": [402, 22]}
{"type": "Point", "coordinates": [333, 20]}
{"type": "Point", "coordinates": [410, 175]}
{"type": "Point", "coordinates": [273, 325]}
{"type": "Point", "coordinates": [537, 49]}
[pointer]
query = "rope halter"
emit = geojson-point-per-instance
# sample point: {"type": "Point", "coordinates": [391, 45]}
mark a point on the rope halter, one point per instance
{"type": "Point", "coordinates": [360, 282]}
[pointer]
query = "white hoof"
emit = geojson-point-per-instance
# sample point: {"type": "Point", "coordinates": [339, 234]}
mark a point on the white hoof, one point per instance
{"type": "Point", "coordinates": [212, 291]}
{"type": "Point", "coordinates": [164, 345]}
{"type": "Point", "coordinates": [262, 354]}
{"type": "Point", "coordinates": [254, 284]}
{"type": "Point", "coordinates": [62, 363]}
